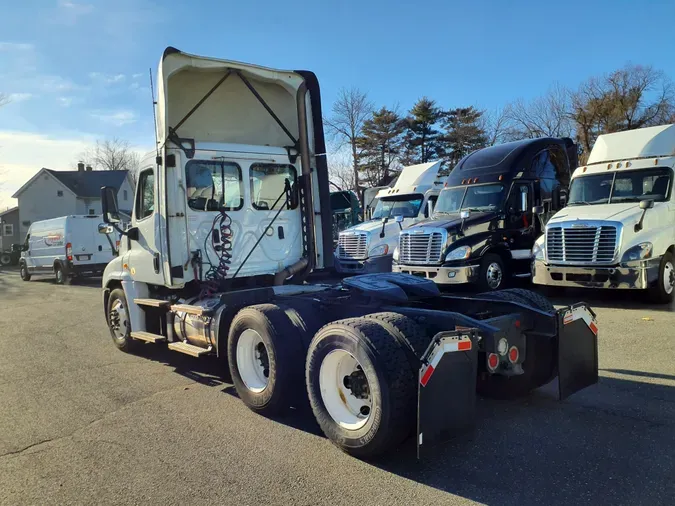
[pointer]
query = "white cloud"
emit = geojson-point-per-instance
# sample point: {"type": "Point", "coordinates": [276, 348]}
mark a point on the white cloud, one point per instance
{"type": "Point", "coordinates": [22, 154]}
{"type": "Point", "coordinates": [69, 12]}
{"type": "Point", "coordinates": [116, 118]}
{"type": "Point", "coordinates": [107, 79]}
{"type": "Point", "coordinates": [16, 46]}
{"type": "Point", "coordinates": [137, 76]}
{"type": "Point", "coordinates": [19, 97]}
{"type": "Point", "coordinates": [65, 101]}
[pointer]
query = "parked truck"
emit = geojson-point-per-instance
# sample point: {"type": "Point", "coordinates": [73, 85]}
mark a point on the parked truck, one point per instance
{"type": "Point", "coordinates": [483, 228]}
{"type": "Point", "coordinates": [618, 229]}
{"type": "Point", "coordinates": [231, 214]}
{"type": "Point", "coordinates": [368, 247]}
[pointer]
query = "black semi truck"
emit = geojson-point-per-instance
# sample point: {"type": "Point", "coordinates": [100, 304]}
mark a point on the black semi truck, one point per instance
{"type": "Point", "coordinates": [494, 205]}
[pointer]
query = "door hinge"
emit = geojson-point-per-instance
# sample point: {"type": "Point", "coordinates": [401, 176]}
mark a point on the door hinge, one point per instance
{"type": "Point", "coordinates": [155, 263]}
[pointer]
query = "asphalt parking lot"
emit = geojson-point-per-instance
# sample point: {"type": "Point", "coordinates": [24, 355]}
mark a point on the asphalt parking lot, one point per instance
{"type": "Point", "coordinates": [82, 423]}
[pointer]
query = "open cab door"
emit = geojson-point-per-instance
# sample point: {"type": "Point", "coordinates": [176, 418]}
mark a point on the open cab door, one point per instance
{"type": "Point", "coordinates": [245, 141]}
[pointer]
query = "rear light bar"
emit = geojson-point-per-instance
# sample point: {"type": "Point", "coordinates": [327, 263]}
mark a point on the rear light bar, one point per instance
{"type": "Point", "coordinates": [69, 252]}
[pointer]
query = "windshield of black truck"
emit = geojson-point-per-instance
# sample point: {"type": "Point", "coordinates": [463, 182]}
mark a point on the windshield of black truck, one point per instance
{"type": "Point", "coordinates": [407, 206]}
{"type": "Point", "coordinates": [487, 197]}
{"type": "Point", "coordinates": [620, 187]}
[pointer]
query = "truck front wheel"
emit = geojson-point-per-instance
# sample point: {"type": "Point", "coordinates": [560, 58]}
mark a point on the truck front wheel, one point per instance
{"type": "Point", "coordinates": [664, 290]}
{"type": "Point", "coordinates": [118, 320]}
{"type": "Point", "coordinates": [361, 387]}
{"type": "Point", "coordinates": [23, 272]}
{"type": "Point", "coordinates": [492, 273]}
{"type": "Point", "coordinates": [265, 358]}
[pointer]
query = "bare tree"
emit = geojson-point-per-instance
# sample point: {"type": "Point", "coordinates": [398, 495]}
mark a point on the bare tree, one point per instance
{"type": "Point", "coordinates": [495, 125]}
{"type": "Point", "coordinates": [632, 97]}
{"type": "Point", "coordinates": [113, 154]}
{"type": "Point", "coordinates": [545, 116]}
{"type": "Point", "coordinates": [351, 109]}
{"type": "Point", "coordinates": [340, 171]}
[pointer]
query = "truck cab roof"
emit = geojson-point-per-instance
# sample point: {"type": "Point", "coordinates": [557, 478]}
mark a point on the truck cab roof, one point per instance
{"type": "Point", "coordinates": [415, 179]}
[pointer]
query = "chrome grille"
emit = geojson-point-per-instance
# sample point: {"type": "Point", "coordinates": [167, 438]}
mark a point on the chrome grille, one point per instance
{"type": "Point", "coordinates": [425, 247]}
{"type": "Point", "coordinates": [352, 245]}
{"type": "Point", "coordinates": [583, 245]}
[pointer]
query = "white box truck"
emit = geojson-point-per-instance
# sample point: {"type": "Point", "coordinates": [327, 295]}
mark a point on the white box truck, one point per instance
{"type": "Point", "coordinates": [618, 229]}
{"type": "Point", "coordinates": [67, 248]}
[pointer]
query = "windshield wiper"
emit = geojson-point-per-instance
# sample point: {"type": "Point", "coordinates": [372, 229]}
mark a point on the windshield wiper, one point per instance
{"type": "Point", "coordinates": [579, 202]}
{"type": "Point", "coordinates": [625, 199]}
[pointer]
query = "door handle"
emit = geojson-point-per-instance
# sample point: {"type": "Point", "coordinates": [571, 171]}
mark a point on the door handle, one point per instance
{"type": "Point", "coordinates": [155, 263]}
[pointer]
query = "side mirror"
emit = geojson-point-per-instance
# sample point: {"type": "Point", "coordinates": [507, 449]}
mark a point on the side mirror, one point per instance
{"type": "Point", "coordinates": [109, 207]}
{"type": "Point", "coordinates": [538, 210]}
{"type": "Point", "coordinates": [646, 204]}
{"type": "Point", "coordinates": [104, 228]}
{"type": "Point", "coordinates": [430, 207]}
{"type": "Point", "coordinates": [398, 219]}
{"type": "Point", "coordinates": [464, 214]}
{"type": "Point", "coordinates": [523, 201]}
{"type": "Point", "coordinates": [384, 220]}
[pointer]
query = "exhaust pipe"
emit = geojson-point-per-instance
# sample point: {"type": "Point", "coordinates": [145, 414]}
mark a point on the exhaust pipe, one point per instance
{"type": "Point", "coordinates": [281, 276]}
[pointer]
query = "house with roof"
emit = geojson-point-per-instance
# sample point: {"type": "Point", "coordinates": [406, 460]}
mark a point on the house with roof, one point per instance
{"type": "Point", "coordinates": [9, 228]}
{"type": "Point", "coordinates": [53, 193]}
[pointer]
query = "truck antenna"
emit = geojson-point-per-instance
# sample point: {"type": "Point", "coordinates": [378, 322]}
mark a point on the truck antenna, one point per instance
{"type": "Point", "coordinates": [154, 114]}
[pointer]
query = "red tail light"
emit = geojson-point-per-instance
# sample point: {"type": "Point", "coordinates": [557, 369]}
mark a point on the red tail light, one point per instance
{"type": "Point", "coordinates": [69, 252]}
{"type": "Point", "coordinates": [493, 361]}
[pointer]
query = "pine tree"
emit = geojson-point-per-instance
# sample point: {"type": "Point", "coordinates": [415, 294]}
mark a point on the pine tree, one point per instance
{"type": "Point", "coordinates": [464, 133]}
{"type": "Point", "coordinates": [380, 143]}
{"type": "Point", "coordinates": [423, 143]}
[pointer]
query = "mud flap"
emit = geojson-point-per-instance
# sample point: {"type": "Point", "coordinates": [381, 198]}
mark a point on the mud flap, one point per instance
{"type": "Point", "coordinates": [446, 399]}
{"type": "Point", "coordinates": [577, 349]}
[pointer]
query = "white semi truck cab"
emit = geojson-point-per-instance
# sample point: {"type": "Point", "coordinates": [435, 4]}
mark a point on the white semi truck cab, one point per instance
{"type": "Point", "coordinates": [368, 247]}
{"type": "Point", "coordinates": [618, 229]}
{"type": "Point", "coordinates": [231, 214]}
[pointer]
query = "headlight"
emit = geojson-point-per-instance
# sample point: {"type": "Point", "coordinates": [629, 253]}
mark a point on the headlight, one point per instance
{"type": "Point", "coordinates": [395, 255]}
{"type": "Point", "coordinates": [378, 251]}
{"type": "Point", "coordinates": [539, 251]}
{"type": "Point", "coordinates": [639, 252]}
{"type": "Point", "coordinates": [460, 253]}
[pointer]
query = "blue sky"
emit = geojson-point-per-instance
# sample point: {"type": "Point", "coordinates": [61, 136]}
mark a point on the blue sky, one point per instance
{"type": "Point", "coordinates": [77, 70]}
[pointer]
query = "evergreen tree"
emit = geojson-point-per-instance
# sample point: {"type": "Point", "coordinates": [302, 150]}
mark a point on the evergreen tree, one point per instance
{"type": "Point", "coordinates": [423, 142]}
{"type": "Point", "coordinates": [380, 143]}
{"type": "Point", "coordinates": [464, 133]}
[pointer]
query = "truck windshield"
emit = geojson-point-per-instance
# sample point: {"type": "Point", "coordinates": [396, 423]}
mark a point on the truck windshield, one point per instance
{"type": "Point", "coordinates": [471, 198]}
{"type": "Point", "coordinates": [407, 206]}
{"type": "Point", "coordinates": [620, 187]}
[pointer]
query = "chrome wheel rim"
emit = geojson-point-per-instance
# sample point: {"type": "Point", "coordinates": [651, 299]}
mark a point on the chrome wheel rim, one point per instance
{"type": "Point", "coordinates": [669, 278]}
{"type": "Point", "coordinates": [345, 390]}
{"type": "Point", "coordinates": [119, 321]}
{"type": "Point", "coordinates": [59, 276]}
{"type": "Point", "coordinates": [494, 275]}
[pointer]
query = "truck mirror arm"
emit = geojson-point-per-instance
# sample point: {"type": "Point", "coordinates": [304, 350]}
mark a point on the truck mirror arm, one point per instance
{"type": "Point", "coordinates": [644, 205]}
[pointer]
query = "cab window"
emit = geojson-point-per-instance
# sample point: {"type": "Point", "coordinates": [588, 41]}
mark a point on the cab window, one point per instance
{"type": "Point", "coordinates": [145, 198]}
{"type": "Point", "coordinates": [268, 183]}
{"type": "Point", "coordinates": [212, 185]}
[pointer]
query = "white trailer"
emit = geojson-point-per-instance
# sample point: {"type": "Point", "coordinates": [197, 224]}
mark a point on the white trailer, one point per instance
{"type": "Point", "coordinates": [618, 229]}
{"type": "Point", "coordinates": [232, 213]}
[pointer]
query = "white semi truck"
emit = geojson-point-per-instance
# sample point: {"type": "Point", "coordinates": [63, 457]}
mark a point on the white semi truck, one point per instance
{"type": "Point", "coordinates": [368, 247]}
{"type": "Point", "coordinates": [232, 212]}
{"type": "Point", "coordinates": [618, 229]}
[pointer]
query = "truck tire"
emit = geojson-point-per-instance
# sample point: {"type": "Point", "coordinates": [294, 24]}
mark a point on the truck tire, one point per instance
{"type": "Point", "coordinates": [265, 358]}
{"type": "Point", "coordinates": [406, 330]}
{"type": "Point", "coordinates": [5, 259]}
{"type": "Point", "coordinates": [664, 290]}
{"type": "Point", "coordinates": [493, 273]}
{"type": "Point", "coordinates": [539, 367]}
{"type": "Point", "coordinates": [118, 321]}
{"type": "Point", "coordinates": [533, 299]}
{"type": "Point", "coordinates": [361, 387]}
{"type": "Point", "coordinates": [23, 272]}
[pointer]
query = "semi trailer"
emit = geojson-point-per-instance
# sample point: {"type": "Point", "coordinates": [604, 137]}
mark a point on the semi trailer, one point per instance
{"type": "Point", "coordinates": [232, 213]}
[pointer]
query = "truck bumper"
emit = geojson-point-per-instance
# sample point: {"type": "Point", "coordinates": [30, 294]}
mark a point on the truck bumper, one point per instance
{"type": "Point", "coordinates": [86, 269]}
{"type": "Point", "coordinates": [367, 266]}
{"type": "Point", "coordinates": [634, 275]}
{"type": "Point", "coordinates": [441, 275]}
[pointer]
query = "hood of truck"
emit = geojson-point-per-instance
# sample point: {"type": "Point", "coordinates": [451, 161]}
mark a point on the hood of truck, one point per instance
{"type": "Point", "coordinates": [628, 212]}
{"type": "Point", "coordinates": [231, 113]}
{"type": "Point", "coordinates": [453, 221]}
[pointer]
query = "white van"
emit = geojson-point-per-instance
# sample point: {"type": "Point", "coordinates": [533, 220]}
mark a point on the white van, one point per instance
{"type": "Point", "coordinates": [67, 247]}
